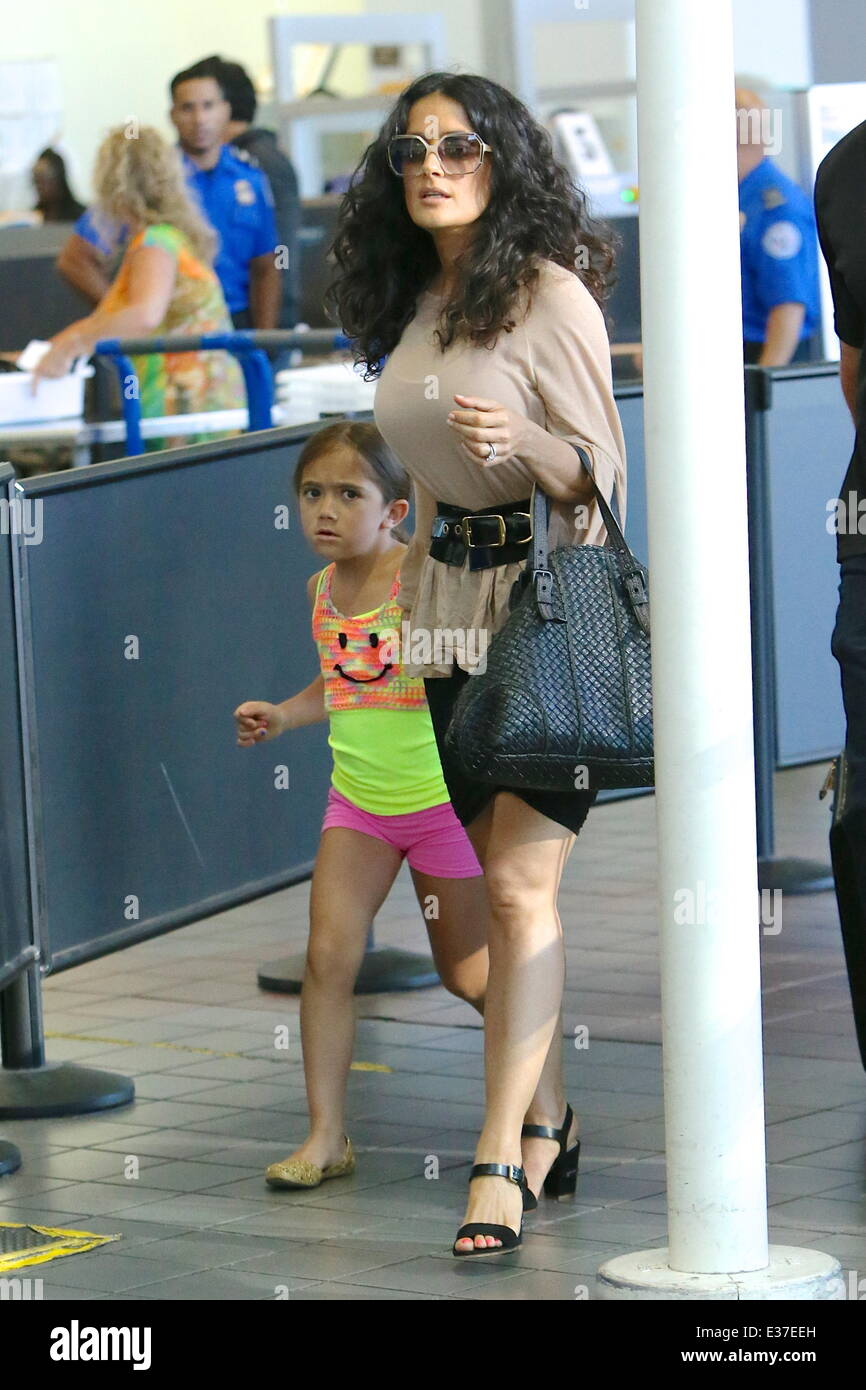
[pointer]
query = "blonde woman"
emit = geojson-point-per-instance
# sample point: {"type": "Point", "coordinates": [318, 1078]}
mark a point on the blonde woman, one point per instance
{"type": "Point", "coordinates": [165, 284]}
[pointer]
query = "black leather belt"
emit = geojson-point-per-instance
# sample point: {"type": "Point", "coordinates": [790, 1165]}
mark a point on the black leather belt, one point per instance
{"type": "Point", "coordinates": [498, 536]}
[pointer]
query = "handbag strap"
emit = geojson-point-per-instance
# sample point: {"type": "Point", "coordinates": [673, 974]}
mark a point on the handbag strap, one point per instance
{"type": "Point", "coordinates": [632, 573]}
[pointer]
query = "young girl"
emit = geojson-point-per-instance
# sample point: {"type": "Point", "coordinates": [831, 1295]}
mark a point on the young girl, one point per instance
{"type": "Point", "coordinates": [388, 799]}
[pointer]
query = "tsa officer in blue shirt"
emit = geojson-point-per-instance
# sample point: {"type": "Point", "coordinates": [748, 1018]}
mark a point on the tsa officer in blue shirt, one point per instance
{"type": "Point", "coordinates": [778, 246]}
{"type": "Point", "coordinates": [235, 197]}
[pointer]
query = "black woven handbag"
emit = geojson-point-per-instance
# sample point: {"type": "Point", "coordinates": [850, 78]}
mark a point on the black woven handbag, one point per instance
{"type": "Point", "coordinates": [565, 700]}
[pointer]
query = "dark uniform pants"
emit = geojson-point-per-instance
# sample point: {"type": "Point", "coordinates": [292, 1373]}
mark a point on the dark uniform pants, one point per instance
{"type": "Point", "coordinates": [848, 833]}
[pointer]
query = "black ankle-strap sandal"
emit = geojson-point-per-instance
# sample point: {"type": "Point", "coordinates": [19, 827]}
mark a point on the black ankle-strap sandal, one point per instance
{"type": "Point", "coordinates": [562, 1178]}
{"type": "Point", "coordinates": [511, 1240]}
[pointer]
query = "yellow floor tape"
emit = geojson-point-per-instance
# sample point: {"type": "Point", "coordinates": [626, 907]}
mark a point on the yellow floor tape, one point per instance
{"type": "Point", "coordinates": [56, 1244]}
{"type": "Point", "coordinates": [185, 1047]}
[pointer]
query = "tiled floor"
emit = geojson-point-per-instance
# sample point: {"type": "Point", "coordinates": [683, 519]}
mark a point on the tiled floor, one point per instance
{"type": "Point", "coordinates": [178, 1174]}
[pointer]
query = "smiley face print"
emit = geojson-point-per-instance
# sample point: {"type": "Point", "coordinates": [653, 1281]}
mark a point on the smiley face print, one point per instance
{"type": "Point", "coordinates": [366, 660]}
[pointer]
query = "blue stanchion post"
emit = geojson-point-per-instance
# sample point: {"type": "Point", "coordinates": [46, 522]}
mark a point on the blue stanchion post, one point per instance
{"type": "Point", "coordinates": [257, 376]}
{"type": "Point", "coordinates": [130, 403]}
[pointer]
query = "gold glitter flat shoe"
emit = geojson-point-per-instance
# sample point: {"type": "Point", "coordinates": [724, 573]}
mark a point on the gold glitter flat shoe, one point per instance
{"type": "Point", "coordinates": [297, 1172]}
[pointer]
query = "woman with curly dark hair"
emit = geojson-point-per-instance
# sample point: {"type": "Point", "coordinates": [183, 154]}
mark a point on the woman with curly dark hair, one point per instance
{"type": "Point", "coordinates": [466, 258]}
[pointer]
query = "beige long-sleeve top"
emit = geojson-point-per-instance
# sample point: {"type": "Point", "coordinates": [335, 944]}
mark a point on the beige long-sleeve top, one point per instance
{"type": "Point", "coordinates": [554, 368]}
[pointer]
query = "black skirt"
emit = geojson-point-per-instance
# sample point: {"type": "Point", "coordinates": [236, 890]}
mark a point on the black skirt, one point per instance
{"type": "Point", "coordinates": [468, 797]}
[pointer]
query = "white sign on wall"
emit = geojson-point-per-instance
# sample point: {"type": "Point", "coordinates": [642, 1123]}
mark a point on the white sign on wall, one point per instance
{"type": "Point", "coordinates": [30, 119]}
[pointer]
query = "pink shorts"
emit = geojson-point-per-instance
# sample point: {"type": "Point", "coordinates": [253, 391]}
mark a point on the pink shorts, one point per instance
{"type": "Point", "coordinates": [433, 841]}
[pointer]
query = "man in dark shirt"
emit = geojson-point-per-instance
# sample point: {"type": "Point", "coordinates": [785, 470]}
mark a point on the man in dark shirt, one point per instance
{"type": "Point", "coordinates": [261, 145]}
{"type": "Point", "coordinates": [840, 205]}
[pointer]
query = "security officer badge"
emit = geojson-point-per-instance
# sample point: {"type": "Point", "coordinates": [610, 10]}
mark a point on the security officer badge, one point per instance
{"type": "Point", "coordinates": [772, 198]}
{"type": "Point", "coordinates": [244, 193]}
{"type": "Point", "coordinates": [783, 239]}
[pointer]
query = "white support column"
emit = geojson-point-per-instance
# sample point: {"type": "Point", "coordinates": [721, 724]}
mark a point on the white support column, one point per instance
{"type": "Point", "coordinates": [709, 907]}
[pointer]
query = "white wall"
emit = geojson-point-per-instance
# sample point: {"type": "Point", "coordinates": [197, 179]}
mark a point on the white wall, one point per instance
{"type": "Point", "coordinates": [464, 37]}
{"type": "Point", "coordinates": [584, 50]}
{"type": "Point", "coordinates": [839, 40]}
{"type": "Point", "coordinates": [594, 40]}
{"type": "Point", "coordinates": [772, 40]}
{"type": "Point", "coordinates": [116, 58]}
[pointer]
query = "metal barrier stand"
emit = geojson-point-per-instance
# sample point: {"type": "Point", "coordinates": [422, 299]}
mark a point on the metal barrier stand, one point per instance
{"type": "Point", "coordinates": [31, 1087]}
{"type": "Point", "coordinates": [10, 1158]}
{"type": "Point", "coordinates": [384, 970]}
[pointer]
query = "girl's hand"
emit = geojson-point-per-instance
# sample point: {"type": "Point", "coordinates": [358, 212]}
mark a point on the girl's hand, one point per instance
{"type": "Point", "coordinates": [479, 423]}
{"type": "Point", "coordinates": [257, 721]}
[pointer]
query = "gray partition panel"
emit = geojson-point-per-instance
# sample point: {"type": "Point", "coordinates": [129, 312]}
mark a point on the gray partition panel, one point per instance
{"type": "Point", "coordinates": [809, 440]}
{"type": "Point", "coordinates": [16, 945]}
{"type": "Point", "coordinates": [629, 400]}
{"type": "Point", "coordinates": [161, 596]}
{"type": "Point", "coordinates": [37, 301]}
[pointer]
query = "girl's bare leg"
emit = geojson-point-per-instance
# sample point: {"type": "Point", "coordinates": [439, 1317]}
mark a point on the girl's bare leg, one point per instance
{"type": "Point", "coordinates": [351, 879]}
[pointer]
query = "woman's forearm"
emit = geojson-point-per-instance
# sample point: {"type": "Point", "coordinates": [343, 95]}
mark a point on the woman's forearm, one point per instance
{"type": "Point", "coordinates": [133, 321]}
{"type": "Point", "coordinates": [555, 465]}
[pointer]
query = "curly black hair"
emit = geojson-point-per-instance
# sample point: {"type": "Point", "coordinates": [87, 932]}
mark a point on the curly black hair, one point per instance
{"type": "Point", "coordinates": [384, 261]}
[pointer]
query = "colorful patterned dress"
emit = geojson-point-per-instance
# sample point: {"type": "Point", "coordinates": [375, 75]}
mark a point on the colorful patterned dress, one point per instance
{"type": "Point", "coordinates": [182, 383]}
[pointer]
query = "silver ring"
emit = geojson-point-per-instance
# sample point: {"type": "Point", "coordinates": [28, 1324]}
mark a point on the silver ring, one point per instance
{"type": "Point", "coordinates": [491, 452]}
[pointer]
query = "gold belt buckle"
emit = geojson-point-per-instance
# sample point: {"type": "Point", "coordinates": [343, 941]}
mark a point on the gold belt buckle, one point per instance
{"type": "Point", "coordinates": [483, 516]}
{"type": "Point", "coordinates": [529, 519]}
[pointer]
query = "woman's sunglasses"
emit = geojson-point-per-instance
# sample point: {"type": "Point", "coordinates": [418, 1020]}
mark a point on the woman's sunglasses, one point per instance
{"type": "Point", "coordinates": [458, 154]}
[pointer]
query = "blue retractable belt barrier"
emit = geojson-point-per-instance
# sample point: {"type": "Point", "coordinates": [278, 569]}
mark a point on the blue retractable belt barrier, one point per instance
{"type": "Point", "coordinates": [247, 347]}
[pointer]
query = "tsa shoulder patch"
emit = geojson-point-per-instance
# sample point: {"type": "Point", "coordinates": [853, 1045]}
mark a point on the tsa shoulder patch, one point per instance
{"type": "Point", "coordinates": [245, 157]}
{"type": "Point", "coordinates": [782, 240]}
{"type": "Point", "coordinates": [245, 194]}
{"type": "Point", "coordinates": [773, 198]}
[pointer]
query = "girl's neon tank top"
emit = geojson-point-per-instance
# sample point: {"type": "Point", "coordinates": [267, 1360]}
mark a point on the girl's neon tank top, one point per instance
{"type": "Point", "coordinates": [381, 736]}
